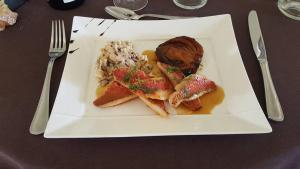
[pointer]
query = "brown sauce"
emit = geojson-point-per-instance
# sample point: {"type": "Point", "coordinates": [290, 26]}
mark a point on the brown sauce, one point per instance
{"type": "Point", "coordinates": [152, 60]}
{"type": "Point", "coordinates": [209, 101]}
{"type": "Point", "coordinates": [150, 55]}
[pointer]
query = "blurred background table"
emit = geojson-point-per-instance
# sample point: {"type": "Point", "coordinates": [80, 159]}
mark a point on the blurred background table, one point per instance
{"type": "Point", "coordinates": [23, 53]}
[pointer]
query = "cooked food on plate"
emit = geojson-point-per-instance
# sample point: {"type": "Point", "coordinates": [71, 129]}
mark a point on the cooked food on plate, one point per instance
{"type": "Point", "coordinates": [175, 75]}
{"type": "Point", "coordinates": [184, 52]}
{"type": "Point", "coordinates": [141, 84]}
{"type": "Point", "coordinates": [158, 106]}
{"type": "Point", "coordinates": [114, 55]}
{"type": "Point", "coordinates": [113, 94]}
{"type": "Point", "coordinates": [166, 76]}
{"type": "Point", "coordinates": [193, 105]}
{"type": "Point", "coordinates": [190, 88]}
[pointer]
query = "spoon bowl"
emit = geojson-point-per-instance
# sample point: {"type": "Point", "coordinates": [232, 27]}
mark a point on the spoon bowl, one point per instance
{"type": "Point", "coordinates": [127, 14]}
{"type": "Point", "coordinates": [119, 13]}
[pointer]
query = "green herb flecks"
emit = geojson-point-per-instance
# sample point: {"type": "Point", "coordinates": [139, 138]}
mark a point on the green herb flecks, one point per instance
{"type": "Point", "coordinates": [147, 90]}
{"type": "Point", "coordinates": [128, 76]}
{"type": "Point", "coordinates": [136, 87]}
{"type": "Point", "coordinates": [172, 69]}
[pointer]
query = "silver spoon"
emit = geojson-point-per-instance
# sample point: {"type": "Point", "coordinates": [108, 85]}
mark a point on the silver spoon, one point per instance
{"type": "Point", "coordinates": [127, 14]}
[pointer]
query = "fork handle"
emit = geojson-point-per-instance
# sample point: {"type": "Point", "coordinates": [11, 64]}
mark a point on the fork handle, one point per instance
{"type": "Point", "coordinates": [274, 109]}
{"type": "Point", "coordinates": [41, 116]}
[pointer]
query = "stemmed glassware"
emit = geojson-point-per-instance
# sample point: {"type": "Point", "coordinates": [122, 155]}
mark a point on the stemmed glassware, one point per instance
{"type": "Point", "coordinates": [290, 8]}
{"type": "Point", "coordinates": [134, 5]}
{"type": "Point", "coordinates": [190, 4]}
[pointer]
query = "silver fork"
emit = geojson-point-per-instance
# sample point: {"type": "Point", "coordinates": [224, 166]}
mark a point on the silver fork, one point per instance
{"type": "Point", "coordinates": [57, 49]}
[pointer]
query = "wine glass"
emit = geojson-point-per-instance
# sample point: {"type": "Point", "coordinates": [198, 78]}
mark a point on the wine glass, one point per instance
{"type": "Point", "coordinates": [190, 4]}
{"type": "Point", "coordinates": [134, 5]}
{"type": "Point", "coordinates": [290, 8]}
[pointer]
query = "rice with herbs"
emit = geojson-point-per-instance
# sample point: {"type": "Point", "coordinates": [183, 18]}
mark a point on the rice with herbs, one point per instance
{"type": "Point", "coordinates": [117, 54]}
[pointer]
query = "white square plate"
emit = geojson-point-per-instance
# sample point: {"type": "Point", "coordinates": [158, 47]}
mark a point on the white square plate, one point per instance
{"type": "Point", "coordinates": [74, 116]}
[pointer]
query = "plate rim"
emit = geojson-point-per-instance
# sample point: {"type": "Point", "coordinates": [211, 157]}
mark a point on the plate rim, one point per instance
{"type": "Point", "coordinates": [54, 133]}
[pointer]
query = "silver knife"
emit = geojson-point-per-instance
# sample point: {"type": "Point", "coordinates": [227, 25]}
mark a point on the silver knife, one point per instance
{"type": "Point", "coordinates": [274, 109]}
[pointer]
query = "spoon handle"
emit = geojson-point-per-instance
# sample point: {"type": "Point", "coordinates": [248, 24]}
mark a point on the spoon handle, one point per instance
{"type": "Point", "coordinates": [164, 16]}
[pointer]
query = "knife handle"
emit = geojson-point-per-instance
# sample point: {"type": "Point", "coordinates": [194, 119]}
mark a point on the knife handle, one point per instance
{"type": "Point", "coordinates": [274, 109]}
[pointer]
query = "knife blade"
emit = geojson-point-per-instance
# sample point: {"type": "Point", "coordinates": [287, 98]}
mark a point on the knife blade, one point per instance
{"type": "Point", "coordinates": [256, 36]}
{"type": "Point", "coordinates": [274, 109]}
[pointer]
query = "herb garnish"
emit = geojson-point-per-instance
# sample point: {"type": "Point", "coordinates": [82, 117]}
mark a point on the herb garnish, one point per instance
{"type": "Point", "coordinates": [147, 90]}
{"type": "Point", "coordinates": [128, 76]}
{"type": "Point", "coordinates": [171, 69]}
{"type": "Point", "coordinates": [136, 87]}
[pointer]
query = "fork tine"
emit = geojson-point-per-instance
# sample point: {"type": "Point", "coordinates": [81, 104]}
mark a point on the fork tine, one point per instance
{"type": "Point", "coordinates": [56, 38]}
{"type": "Point", "coordinates": [64, 35]}
{"type": "Point", "coordinates": [52, 35]}
{"type": "Point", "coordinates": [59, 35]}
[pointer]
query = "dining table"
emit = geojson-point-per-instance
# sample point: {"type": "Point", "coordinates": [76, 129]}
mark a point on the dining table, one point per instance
{"type": "Point", "coordinates": [24, 58]}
